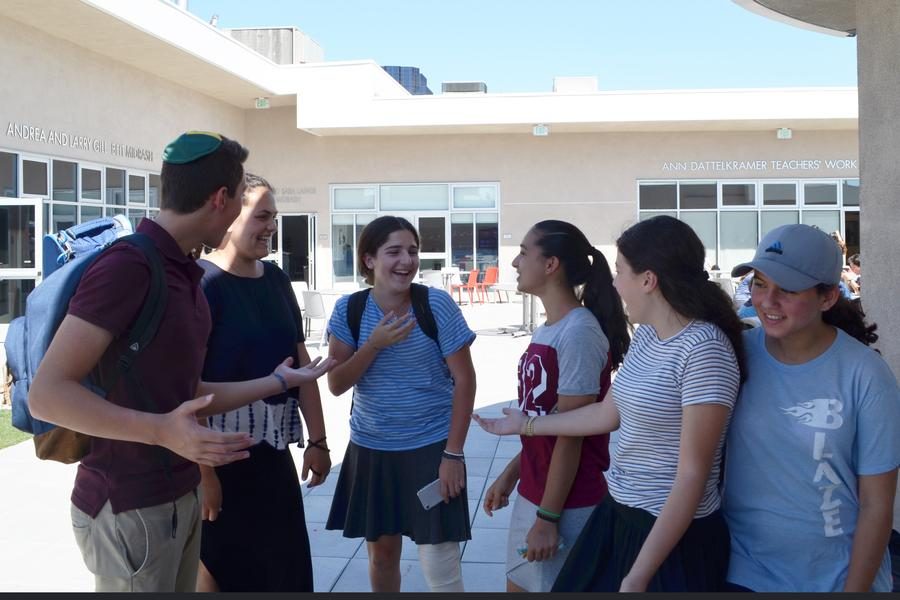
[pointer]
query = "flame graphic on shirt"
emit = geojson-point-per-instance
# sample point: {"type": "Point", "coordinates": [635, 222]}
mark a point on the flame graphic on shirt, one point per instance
{"type": "Point", "coordinates": [821, 413]}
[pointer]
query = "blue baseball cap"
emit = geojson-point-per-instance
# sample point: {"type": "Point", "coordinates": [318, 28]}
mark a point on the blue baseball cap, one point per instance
{"type": "Point", "coordinates": [796, 258]}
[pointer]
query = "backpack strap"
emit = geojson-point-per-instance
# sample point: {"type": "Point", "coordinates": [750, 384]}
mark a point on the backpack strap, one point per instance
{"type": "Point", "coordinates": [144, 330]}
{"type": "Point", "coordinates": [356, 305]}
{"type": "Point", "coordinates": [422, 309]}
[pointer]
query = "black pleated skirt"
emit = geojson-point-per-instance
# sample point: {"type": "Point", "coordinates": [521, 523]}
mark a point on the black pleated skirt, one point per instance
{"type": "Point", "coordinates": [376, 495]}
{"type": "Point", "coordinates": [612, 538]}
{"type": "Point", "coordinates": [259, 541]}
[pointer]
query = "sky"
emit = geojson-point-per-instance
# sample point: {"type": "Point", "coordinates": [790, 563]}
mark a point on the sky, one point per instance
{"type": "Point", "coordinates": [521, 45]}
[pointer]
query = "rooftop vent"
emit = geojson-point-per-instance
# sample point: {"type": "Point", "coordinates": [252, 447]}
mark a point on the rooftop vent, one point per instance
{"type": "Point", "coordinates": [464, 87]}
{"type": "Point", "coordinates": [575, 85]}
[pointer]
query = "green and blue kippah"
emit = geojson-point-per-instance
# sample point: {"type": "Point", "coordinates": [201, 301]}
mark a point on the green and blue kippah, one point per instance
{"type": "Point", "coordinates": [190, 146]}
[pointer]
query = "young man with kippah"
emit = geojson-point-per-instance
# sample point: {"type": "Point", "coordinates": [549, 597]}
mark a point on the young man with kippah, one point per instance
{"type": "Point", "coordinates": [135, 509]}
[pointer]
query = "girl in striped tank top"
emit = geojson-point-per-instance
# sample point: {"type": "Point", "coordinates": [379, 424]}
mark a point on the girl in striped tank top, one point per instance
{"type": "Point", "coordinates": [660, 527]}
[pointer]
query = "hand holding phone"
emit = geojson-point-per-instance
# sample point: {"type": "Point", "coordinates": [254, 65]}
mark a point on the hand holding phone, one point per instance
{"type": "Point", "coordinates": [523, 549]}
{"type": "Point", "coordinates": [430, 495]}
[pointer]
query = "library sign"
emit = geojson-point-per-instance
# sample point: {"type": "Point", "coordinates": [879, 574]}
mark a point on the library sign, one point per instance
{"type": "Point", "coordinates": [720, 166]}
{"type": "Point", "coordinates": [70, 139]}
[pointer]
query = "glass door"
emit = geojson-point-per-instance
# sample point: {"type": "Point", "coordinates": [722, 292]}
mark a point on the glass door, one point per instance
{"type": "Point", "coordinates": [294, 247]}
{"type": "Point", "coordinates": [432, 242]}
{"type": "Point", "coordinates": [20, 255]}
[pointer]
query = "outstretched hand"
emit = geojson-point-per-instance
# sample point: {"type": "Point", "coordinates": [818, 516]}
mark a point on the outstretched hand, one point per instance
{"type": "Point", "coordinates": [308, 372]}
{"type": "Point", "coordinates": [179, 431]}
{"type": "Point", "coordinates": [512, 424]}
{"type": "Point", "coordinates": [390, 330]}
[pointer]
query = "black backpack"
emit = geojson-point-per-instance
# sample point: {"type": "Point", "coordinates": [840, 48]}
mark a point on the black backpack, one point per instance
{"type": "Point", "coordinates": [421, 309]}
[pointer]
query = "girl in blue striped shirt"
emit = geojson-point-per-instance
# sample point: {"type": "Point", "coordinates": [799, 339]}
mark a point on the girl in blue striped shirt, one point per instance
{"type": "Point", "coordinates": [412, 398]}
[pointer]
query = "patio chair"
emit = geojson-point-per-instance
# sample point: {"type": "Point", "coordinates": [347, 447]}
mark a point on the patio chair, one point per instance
{"type": "Point", "coordinates": [299, 287]}
{"type": "Point", "coordinates": [491, 277]}
{"type": "Point", "coordinates": [471, 286]}
{"type": "Point", "coordinates": [315, 309]}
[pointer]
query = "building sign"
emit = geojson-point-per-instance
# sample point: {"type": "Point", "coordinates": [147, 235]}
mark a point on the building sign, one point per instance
{"type": "Point", "coordinates": [719, 166]}
{"type": "Point", "coordinates": [67, 139]}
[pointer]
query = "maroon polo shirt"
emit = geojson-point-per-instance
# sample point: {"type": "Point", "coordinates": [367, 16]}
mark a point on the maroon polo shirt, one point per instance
{"type": "Point", "coordinates": [110, 295]}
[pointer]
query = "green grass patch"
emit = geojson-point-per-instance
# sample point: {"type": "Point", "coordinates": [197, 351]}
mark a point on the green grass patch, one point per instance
{"type": "Point", "coordinates": [9, 435]}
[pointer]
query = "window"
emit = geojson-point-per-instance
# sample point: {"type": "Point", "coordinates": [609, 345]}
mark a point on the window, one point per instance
{"type": "Point", "coordinates": [738, 194]}
{"type": "Point", "coordinates": [9, 187]}
{"type": "Point", "coordinates": [471, 196]}
{"type": "Point", "coordinates": [851, 192]}
{"type": "Point", "coordinates": [135, 215]}
{"type": "Point", "coordinates": [34, 178]}
{"type": "Point", "coordinates": [704, 225]}
{"type": "Point", "coordinates": [64, 185]}
{"type": "Point", "coordinates": [739, 237]}
{"type": "Point", "coordinates": [91, 186]}
{"type": "Point", "coordinates": [155, 192]}
{"type": "Point", "coordinates": [414, 197]}
{"type": "Point", "coordinates": [770, 219]}
{"type": "Point", "coordinates": [779, 194]}
{"type": "Point", "coordinates": [487, 249]}
{"type": "Point", "coordinates": [136, 189]}
{"type": "Point", "coordinates": [89, 213]}
{"type": "Point", "coordinates": [345, 232]}
{"type": "Point", "coordinates": [820, 194]}
{"type": "Point", "coordinates": [64, 216]}
{"type": "Point", "coordinates": [356, 198]}
{"type": "Point", "coordinates": [657, 196]}
{"type": "Point", "coordinates": [826, 220]}
{"type": "Point", "coordinates": [115, 187]}
{"type": "Point", "coordinates": [697, 195]}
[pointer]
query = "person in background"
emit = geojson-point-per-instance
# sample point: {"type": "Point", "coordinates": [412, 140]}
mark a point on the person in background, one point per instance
{"type": "Point", "coordinates": [814, 444]}
{"type": "Point", "coordinates": [256, 322]}
{"type": "Point", "coordinates": [567, 364]}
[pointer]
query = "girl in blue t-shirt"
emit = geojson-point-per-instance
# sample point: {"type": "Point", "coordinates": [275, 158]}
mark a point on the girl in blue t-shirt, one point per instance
{"type": "Point", "coordinates": [412, 398]}
{"type": "Point", "coordinates": [567, 365]}
{"type": "Point", "coordinates": [815, 442]}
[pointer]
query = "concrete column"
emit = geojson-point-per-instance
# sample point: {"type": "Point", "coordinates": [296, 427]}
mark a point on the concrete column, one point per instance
{"type": "Point", "coordinates": [878, 46]}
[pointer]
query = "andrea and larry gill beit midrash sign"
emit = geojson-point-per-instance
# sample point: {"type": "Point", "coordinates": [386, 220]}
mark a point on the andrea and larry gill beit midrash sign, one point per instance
{"type": "Point", "coordinates": [68, 139]}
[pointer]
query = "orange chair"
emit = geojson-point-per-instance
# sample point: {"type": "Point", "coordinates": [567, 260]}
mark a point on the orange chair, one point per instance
{"type": "Point", "coordinates": [470, 285]}
{"type": "Point", "coordinates": [491, 277]}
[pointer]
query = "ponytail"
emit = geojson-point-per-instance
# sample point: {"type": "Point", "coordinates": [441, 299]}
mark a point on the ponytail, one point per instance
{"type": "Point", "coordinates": [586, 268]}
{"type": "Point", "coordinates": [600, 297]}
{"type": "Point", "coordinates": [848, 315]}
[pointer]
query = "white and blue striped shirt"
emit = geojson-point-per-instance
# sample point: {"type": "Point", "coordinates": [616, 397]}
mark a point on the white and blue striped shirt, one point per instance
{"type": "Point", "coordinates": [404, 399]}
{"type": "Point", "coordinates": [657, 379]}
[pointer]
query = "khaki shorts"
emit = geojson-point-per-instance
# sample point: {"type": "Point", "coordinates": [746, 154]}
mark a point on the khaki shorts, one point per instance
{"type": "Point", "coordinates": [538, 576]}
{"type": "Point", "coordinates": [139, 550]}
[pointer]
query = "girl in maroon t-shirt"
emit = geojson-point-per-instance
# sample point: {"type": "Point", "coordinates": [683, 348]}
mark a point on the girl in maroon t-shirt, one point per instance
{"type": "Point", "coordinates": [567, 365]}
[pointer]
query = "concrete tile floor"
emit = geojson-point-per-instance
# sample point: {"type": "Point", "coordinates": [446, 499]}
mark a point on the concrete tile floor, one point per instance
{"type": "Point", "coordinates": [34, 495]}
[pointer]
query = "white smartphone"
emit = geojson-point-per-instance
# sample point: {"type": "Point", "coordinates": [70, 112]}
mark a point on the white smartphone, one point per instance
{"type": "Point", "coordinates": [430, 495]}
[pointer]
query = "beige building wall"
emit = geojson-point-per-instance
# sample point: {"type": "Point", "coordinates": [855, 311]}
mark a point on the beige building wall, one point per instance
{"type": "Point", "coordinates": [588, 179]}
{"type": "Point", "coordinates": [57, 86]}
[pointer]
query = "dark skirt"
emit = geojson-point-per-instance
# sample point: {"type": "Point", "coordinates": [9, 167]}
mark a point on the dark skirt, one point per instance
{"type": "Point", "coordinates": [613, 536]}
{"type": "Point", "coordinates": [259, 541]}
{"type": "Point", "coordinates": [376, 496]}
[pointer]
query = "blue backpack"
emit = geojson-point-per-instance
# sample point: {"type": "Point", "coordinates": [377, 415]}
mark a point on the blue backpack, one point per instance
{"type": "Point", "coordinates": [67, 255]}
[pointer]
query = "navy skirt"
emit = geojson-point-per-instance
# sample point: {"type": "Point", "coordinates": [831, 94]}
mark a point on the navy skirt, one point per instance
{"type": "Point", "coordinates": [259, 541]}
{"type": "Point", "coordinates": [613, 536]}
{"type": "Point", "coordinates": [376, 496]}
